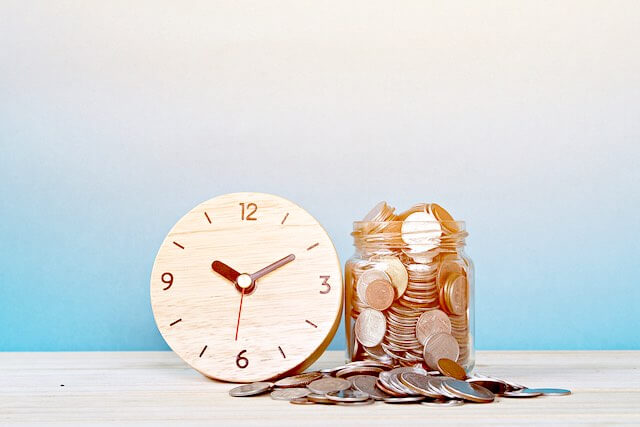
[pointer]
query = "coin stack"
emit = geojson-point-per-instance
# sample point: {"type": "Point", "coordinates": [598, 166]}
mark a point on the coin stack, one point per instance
{"type": "Point", "coordinates": [408, 288]}
{"type": "Point", "coordinates": [364, 382]}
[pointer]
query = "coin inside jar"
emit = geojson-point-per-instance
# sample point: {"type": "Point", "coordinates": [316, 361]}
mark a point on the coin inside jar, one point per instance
{"type": "Point", "coordinates": [456, 293]}
{"type": "Point", "coordinates": [370, 327]}
{"type": "Point", "coordinates": [379, 294]}
{"type": "Point", "coordinates": [432, 322]}
{"type": "Point", "coordinates": [450, 368]}
{"type": "Point", "coordinates": [366, 278]}
{"type": "Point", "coordinates": [396, 272]}
{"type": "Point", "coordinates": [300, 380]}
{"type": "Point", "coordinates": [444, 217]}
{"type": "Point", "coordinates": [440, 346]}
{"type": "Point", "coordinates": [421, 231]}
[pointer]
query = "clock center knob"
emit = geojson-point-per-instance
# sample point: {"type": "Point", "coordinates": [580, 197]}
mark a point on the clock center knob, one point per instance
{"type": "Point", "coordinates": [244, 281]}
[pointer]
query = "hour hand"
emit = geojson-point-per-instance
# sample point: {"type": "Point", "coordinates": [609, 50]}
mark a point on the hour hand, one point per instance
{"type": "Point", "coordinates": [225, 271]}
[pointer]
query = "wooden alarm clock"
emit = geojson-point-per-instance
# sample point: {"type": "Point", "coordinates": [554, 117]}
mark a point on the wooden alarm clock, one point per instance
{"type": "Point", "coordinates": [247, 287]}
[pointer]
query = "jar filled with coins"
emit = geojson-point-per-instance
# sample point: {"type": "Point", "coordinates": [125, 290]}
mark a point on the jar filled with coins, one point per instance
{"type": "Point", "coordinates": [409, 289]}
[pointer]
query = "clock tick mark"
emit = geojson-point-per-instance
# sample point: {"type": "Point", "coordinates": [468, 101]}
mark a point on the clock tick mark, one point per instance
{"type": "Point", "coordinates": [178, 245]}
{"type": "Point", "coordinates": [311, 323]}
{"type": "Point", "coordinates": [312, 246]}
{"type": "Point", "coordinates": [282, 352]}
{"type": "Point", "coordinates": [203, 350]}
{"type": "Point", "coordinates": [285, 218]}
{"type": "Point", "coordinates": [208, 219]}
{"type": "Point", "coordinates": [177, 321]}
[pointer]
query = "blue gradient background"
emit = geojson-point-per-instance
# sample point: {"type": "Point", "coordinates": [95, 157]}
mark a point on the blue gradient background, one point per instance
{"type": "Point", "coordinates": [522, 118]}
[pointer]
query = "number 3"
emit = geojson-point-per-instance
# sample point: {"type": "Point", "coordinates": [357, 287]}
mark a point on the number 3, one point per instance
{"type": "Point", "coordinates": [325, 282]}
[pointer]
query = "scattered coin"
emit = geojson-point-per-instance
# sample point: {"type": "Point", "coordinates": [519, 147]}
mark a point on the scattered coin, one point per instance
{"type": "Point", "coordinates": [547, 391]}
{"type": "Point", "coordinates": [301, 401]}
{"type": "Point", "coordinates": [442, 403]}
{"type": "Point", "coordinates": [367, 384]}
{"type": "Point", "coordinates": [418, 383]}
{"type": "Point", "coordinates": [370, 327]}
{"type": "Point", "coordinates": [522, 394]}
{"type": "Point", "coordinates": [408, 399]}
{"type": "Point", "coordinates": [347, 396]}
{"type": "Point", "coordinates": [300, 380]}
{"type": "Point", "coordinates": [252, 389]}
{"type": "Point", "coordinates": [328, 384]}
{"type": "Point", "coordinates": [440, 346]}
{"type": "Point", "coordinates": [289, 393]}
{"type": "Point", "coordinates": [320, 398]}
{"type": "Point", "coordinates": [359, 403]}
{"type": "Point", "coordinates": [496, 387]}
{"type": "Point", "coordinates": [468, 391]}
{"type": "Point", "coordinates": [450, 368]}
{"type": "Point", "coordinates": [358, 370]}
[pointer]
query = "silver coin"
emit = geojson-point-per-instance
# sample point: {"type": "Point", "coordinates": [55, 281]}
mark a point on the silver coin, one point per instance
{"type": "Point", "coordinates": [443, 403]}
{"type": "Point", "coordinates": [547, 391]}
{"type": "Point", "coordinates": [252, 389]}
{"type": "Point", "coordinates": [520, 394]}
{"type": "Point", "coordinates": [327, 384]}
{"type": "Point", "coordinates": [320, 398]}
{"type": "Point", "coordinates": [347, 396]}
{"type": "Point", "coordinates": [408, 399]}
{"type": "Point", "coordinates": [289, 393]}
{"type": "Point", "coordinates": [301, 401]}
{"type": "Point", "coordinates": [359, 403]}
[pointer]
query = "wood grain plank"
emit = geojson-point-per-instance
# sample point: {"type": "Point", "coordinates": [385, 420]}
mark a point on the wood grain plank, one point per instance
{"type": "Point", "coordinates": [157, 387]}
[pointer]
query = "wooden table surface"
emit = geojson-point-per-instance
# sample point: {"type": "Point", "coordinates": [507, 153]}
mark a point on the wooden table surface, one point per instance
{"type": "Point", "coordinates": [158, 388]}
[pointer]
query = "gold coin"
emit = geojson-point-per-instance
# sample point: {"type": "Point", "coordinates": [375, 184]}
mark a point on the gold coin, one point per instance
{"type": "Point", "coordinates": [449, 368]}
{"type": "Point", "coordinates": [440, 346]}
{"type": "Point", "coordinates": [444, 217]}
{"type": "Point", "coordinates": [432, 322]}
{"type": "Point", "coordinates": [396, 271]}
{"type": "Point", "coordinates": [370, 327]}
{"type": "Point", "coordinates": [380, 294]}
{"type": "Point", "coordinates": [300, 380]}
{"type": "Point", "coordinates": [456, 293]}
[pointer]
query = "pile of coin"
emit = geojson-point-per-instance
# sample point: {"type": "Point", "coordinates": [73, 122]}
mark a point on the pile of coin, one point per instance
{"type": "Point", "coordinates": [408, 288]}
{"type": "Point", "coordinates": [364, 382]}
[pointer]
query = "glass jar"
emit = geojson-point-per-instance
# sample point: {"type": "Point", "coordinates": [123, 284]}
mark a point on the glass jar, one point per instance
{"type": "Point", "coordinates": [409, 289]}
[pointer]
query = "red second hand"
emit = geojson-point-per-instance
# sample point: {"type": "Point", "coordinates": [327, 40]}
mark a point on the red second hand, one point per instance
{"type": "Point", "coordinates": [239, 311]}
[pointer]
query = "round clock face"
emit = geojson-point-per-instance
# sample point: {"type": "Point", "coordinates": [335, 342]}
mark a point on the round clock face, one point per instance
{"type": "Point", "coordinates": [247, 287]}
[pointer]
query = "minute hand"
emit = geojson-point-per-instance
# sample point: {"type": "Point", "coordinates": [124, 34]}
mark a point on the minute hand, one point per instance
{"type": "Point", "coordinates": [269, 268]}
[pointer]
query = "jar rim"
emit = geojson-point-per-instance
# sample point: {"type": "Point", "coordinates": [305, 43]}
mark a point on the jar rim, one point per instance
{"type": "Point", "coordinates": [362, 223]}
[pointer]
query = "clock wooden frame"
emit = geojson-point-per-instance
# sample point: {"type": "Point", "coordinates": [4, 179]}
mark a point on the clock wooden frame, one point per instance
{"type": "Point", "coordinates": [277, 327]}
